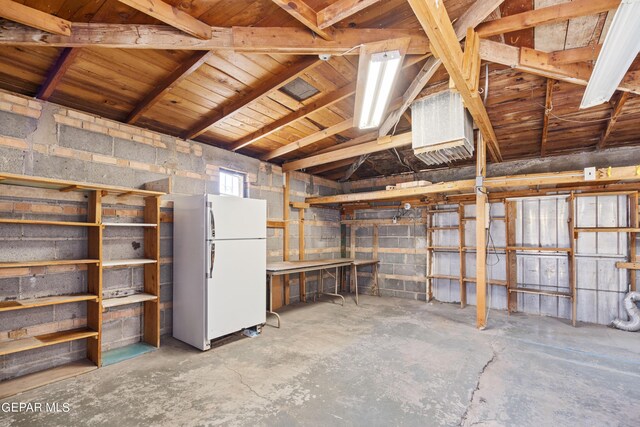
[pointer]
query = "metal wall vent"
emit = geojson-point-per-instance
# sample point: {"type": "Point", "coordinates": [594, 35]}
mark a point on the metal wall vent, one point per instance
{"type": "Point", "coordinates": [299, 89]}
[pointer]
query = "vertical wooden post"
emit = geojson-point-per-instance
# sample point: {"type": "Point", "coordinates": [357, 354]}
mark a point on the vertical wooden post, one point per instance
{"type": "Point", "coordinates": [510, 213]}
{"type": "Point", "coordinates": [572, 259]}
{"type": "Point", "coordinates": [285, 243]}
{"type": "Point", "coordinates": [375, 288]}
{"type": "Point", "coordinates": [352, 254]}
{"type": "Point", "coordinates": [303, 277]}
{"type": "Point", "coordinates": [481, 236]}
{"type": "Point", "coordinates": [429, 231]}
{"type": "Point", "coordinates": [633, 223]}
{"type": "Point", "coordinates": [463, 257]}
{"type": "Point", "coordinates": [94, 277]}
{"type": "Point", "coordinates": [152, 271]}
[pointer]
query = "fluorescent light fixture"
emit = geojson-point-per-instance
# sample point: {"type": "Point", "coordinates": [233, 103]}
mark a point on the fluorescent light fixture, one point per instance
{"type": "Point", "coordinates": [620, 48]}
{"type": "Point", "coordinates": [381, 73]}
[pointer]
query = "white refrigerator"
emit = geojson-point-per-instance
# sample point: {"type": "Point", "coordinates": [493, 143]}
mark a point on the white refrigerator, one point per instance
{"type": "Point", "coordinates": [219, 266]}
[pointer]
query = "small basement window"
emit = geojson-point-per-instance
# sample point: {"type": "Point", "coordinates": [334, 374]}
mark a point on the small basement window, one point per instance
{"type": "Point", "coordinates": [299, 89]}
{"type": "Point", "coordinates": [231, 183]}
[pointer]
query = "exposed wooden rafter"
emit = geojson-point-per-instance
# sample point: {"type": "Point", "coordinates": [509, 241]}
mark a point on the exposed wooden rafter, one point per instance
{"type": "Point", "coordinates": [185, 69]}
{"type": "Point", "coordinates": [444, 42]}
{"type": "Point", "coordinates": [340, 10]}
{"type": "Point", "coordinates": [615, 113]}
{"type": "Point", "coordinates": [291, 73]}
{"type": "Point", "coordinates": [171, 15]}
{"type": "Point", "coordinates": [305, 14]}
{"type": "Point", "coordinates": [35, 18]}
{"type": "Point", "coordinates": [56, 73]}
{"type": "Point", "coordinates": [547, 110]}
{"type": "Point", "coordinates": [540, 63]}
{"type": "Point", "coordinates": [545, 15]}
{"type": "Point", "coordinates": [579, 54]}
{"type": "Point", "coordinates": [271, 40]}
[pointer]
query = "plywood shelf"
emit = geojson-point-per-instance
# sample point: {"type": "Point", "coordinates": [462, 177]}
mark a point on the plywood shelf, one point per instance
{"type": "Point", "coordinates": [628, 265]}
{"type": "Point", "coordinates": [129, 299]}
{"type": "Point", "coordinates": [127, 262]}
{"type": "Point", "coordinates": [45, 301]}
{"type": "Point", "coordinates": [19, 264]}
{"type": "Point", "coordinates": [541, 292]}
{"type": "Point", "coordinates": [23, 344]}
{"type": "Point", "coordinates": [607, 230]}
{"type": "Point", "coordinates": [46, 222]}
{"type": "Point", "coordinates": [129, 224]}
{"type": "Point", "coordinates": [537, 248]}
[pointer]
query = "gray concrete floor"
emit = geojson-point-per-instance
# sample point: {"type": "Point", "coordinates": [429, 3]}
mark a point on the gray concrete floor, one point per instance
{"type": "Point", "coordinates": [386, 362]}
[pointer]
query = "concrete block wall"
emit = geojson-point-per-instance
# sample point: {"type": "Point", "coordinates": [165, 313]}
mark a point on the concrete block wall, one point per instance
{"type": "Point", "coordinates": [48, 140]}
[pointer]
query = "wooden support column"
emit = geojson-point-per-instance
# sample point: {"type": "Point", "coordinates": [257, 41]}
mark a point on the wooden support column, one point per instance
{"type": "Point", "coordinates": [375, 290]}
{"type": "Point", "coordinates": [633, 223]}
{"type": "Point", "coordinates": [463, 257]}
{"type": "Point", "coordinates": [572, 259]}
{"type": "Point", "coordinates": [429, 231]}
{"type": "Point", "coordinates": [94, 277]}
{"type": "Point", "coordinates": [152, 271]}
{"type": "Point", "coordinates": [481, 236]}
{"type": "Point", "coordinates": [510, 213]}
{"type": "Point", "coordinates": [285, 242]}
{"type": "Point", "coordinates": [352, 254]}
{"type": "Point", "coordinates": [303, 277]}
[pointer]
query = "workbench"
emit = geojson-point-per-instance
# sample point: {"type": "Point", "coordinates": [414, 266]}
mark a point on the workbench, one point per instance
{"type": "Point", "coordinates": [281, 268]}
{"type": "Point", "coordinates": [354, 273]}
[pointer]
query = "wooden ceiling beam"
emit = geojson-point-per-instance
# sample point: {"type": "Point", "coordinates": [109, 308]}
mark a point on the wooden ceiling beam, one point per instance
{"type": "Point", "coordinates": [379, 144]}
{"type": "Point", "coordinates": [267, 40]}
{"type": "Point", "coordinates": [547, 110]}
{"type": "Point", "coordinates": [340, 10]}
{"type": "Point", "coordinates": [615, 113]}
{"type": "Point", "coordinates": [34, 18]}
{"type": "Point", "coordinates": [539, 63]}
{"type": "Point", "coordinates": [305, 14]}
{"type": "Point", "coordinates": [276, 82]}
{"type": "Point", "coordinates": [579, 54]}
{"type": "Point", "coordinates": [184, 70]}
{"type": "Point", "coordinates": [310, 139]}
{"type": "Point", "coordinates": [57, 72]}
{"type": "Point", "coordinates": [171, 15]}
{"type": "Point", "coordinates": [330, 166]}
{"type": "Point", "coordinates": [546, 15]}
{"type": "Point", "coordinates": [444, 42]}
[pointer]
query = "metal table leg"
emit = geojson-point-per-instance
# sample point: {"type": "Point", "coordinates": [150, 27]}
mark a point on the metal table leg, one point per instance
{"type": "Point", "coordinates": [335, 293]}
{"type": "Point", "coordinates": [270, 311]}
{"type": "Point", "coordinates": [355, 276]}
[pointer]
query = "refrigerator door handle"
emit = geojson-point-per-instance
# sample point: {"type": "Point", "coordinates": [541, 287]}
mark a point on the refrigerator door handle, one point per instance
{"type": "Point", "coordinates": [212, 254]}
{"type": "Point", "coordinates": [212, 225]}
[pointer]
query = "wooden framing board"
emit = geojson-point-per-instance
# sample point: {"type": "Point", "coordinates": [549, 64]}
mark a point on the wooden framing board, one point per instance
{"type": "Point", "coordinates": [511, 256]}
{"type": "Point", "coordinates": [481, 236]}
{"type": "Point", "coordinates": [35, 18]}
{"type": "Point", "coordinates": [304, 14]}
{"type": "Point", "coordinates": [547, 111]}
{"type": "Point", "coordinates": [94, 277]}
{"type": "Point", "coordinates": [57, 72]}
{"type": "Point", "coordinates": [151, 321]}
{"type": "Point", "coordinates": [615, 113]}
{"type": "Point", "coordinates": [286, 212]}
{"type": "Point", "coordinates": [340, 10]}
{"type": "Point", "coordinates": [172, 16]}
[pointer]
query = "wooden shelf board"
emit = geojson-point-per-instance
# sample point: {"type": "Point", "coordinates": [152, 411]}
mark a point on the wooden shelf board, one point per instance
{"type": "Point", "coordinates": [541, 249]}
{"type": "Point", "coordinates": [48, 376]}
{"type": "Point", "coordinates": [46, 222]}
{"type": "Point", "coordinates": [453, 227]}
{"type": "Point", "coordinates": [40, 302]}
{"type": "Point", "coordinates": [628, 265]}
{"type": "Point", "coordinates": [126, 262]}
{"type": "Point", "coordinates": [443, 276]}
{"type": "Point", "coordinates": [489, 281]}
{"type": "Point", "coordinates": [129, 224]}
{"type": "Point", "coordinates": [44, 340]}
{"type": "Point", "coordinates": [45, 263]}
{"type": "Point", "coordinates": [121, 354]}
{"type": "Point", "coordinates": [541, 292]}
{"type": "Point", "coordinates": [58, 184]}
{"type": "Point", "coordinates": [129, 299]}
{"type": "Point", "coordinates": [606, 230]}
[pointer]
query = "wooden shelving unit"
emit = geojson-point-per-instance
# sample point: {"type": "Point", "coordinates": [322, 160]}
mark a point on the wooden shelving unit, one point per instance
{"type": "Point", "coordinates": [92, 332]}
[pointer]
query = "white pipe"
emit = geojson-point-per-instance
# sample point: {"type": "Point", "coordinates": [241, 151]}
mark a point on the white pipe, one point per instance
{"type": "Point", "coordinates": [633, 324]}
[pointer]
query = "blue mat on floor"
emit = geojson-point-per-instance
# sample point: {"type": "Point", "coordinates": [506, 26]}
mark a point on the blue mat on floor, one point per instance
{"type": "Point", "coordinates": [127, 352]}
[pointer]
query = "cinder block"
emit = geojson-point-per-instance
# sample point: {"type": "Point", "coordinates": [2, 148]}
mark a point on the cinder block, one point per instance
{"type": "Point", "coordinates": [12, 161]}
{"type": "Point", "coordinates": [132, 327]}
{"type": "Point", "coordinates": [9, 288]}
{"type": "Point", "coordinates": [61, 167]}
{"type": "Point", "coordinates": [116, 278]}
{"type": "Point", "coordinates": [69, 311]}
{"type": "Point", "coordinates": [111, 332]}
{"type": "Point", "coordinates": [16, 126]}
{"type": "Point", "coordinates": [414, 286]}
{"type": "Point", "coordinates": [37, 286]}
{"type": "Point", "coordinates": [35, 316]}
{"type": "Point", "coordinates": [131, 150]}
{"type": "Point", "coordinates": [85, 140]}
{"type": "Point", "coordinates": [28, 250]}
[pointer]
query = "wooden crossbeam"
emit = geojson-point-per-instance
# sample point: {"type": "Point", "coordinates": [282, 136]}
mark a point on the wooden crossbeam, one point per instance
{"type": "Point", "coordinates": [540, 63]}
{"type": "Point", "coordinates": [547, 110]}
{"type": "Point", "coordinates": [330, 166]}
{"type": "Point", "coordinates": [579, 54]}
{"type": "Point", "coordinates": [340, 10]}
{"type": "Point", "coordinates": [171, 15]}
{"type": "Point", "coordinates": [305, 14]}
{"type": "Point", "coordinates": [57, 72]}
{"type": "Point", "coordinates": [546, 15]}
{"type": "Point", "coordinates": [615, 113]}
{"type": "Point", "coordinates": [35, 18]}
{"type": "Point", "coordinates": [184, 70]}
{"type": "Point", "coordinates": [274, 83]}
{"type": "Point", "coordinates": [380, 144]}
{"type": "Point", "coordinates": [270, 40]}
{"type": "Point", "coordinates": [310, 139]}
{"type": "Point", "coordinates": [444, 42]}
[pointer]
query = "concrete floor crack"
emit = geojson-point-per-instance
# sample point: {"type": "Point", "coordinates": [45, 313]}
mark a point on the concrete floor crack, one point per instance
{"type": "Point", "coordinates": [473, 393]}
{"type": "Point", "coordinates": [245, 384]}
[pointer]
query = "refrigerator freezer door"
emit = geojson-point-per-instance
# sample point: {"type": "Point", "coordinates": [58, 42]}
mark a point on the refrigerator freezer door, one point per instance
{"type": "Point", "coordinates": [237, 218]}
{"type": "Point", "coordinates": [237, 289]}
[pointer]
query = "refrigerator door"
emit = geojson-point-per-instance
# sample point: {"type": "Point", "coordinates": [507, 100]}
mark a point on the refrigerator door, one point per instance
{"type": "Point", "coordinates": [236, 218]}
{"type": "Point", "coordinates": [237, 287]}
